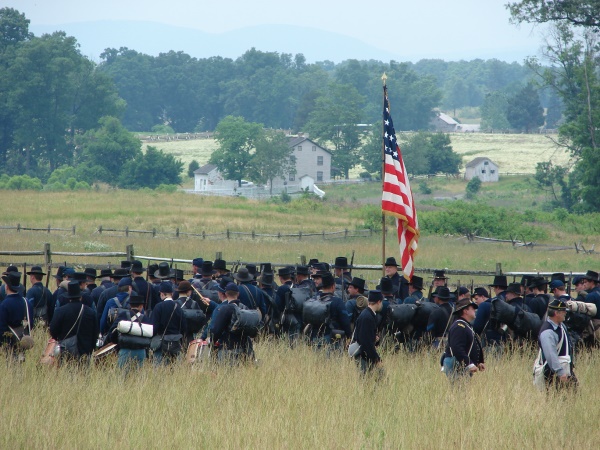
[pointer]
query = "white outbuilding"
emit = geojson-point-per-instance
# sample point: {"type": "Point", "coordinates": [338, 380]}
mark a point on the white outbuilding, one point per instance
{"type": "Point", "coordinates": [483, 168]}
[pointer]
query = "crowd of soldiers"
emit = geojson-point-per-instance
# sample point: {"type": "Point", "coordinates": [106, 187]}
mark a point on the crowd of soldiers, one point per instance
{"type": "Point", "coordinates": [140, 312]}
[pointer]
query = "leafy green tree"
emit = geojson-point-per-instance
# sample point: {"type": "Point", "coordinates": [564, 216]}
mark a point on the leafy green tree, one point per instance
{"type": "Point", "coordinates": [429, 153]}
{"type": "Point", "coordinates": [111, 146]}
{"type": "Point", "coordinates": [524, 111]}
{"type": "Point", "coordinates": [237, 140]}
{"type": "Point", "coordinates": [456, 94]}
{"type": "Point", "coordinates": [493, 112]}
{"type": "Point", "coordinates": [272, 158]}
{"type": "Point", "coordinates": [334, 120]}
{"type": "Point", "coordinates": [192, 167]}
{"type": "Point", "coordinates": [473, 187]}
{"type": "Point", "coordinates": [585, 13]}
{"type": "Point", "coordinates": [14, 28]}
{"type": "Point", "coordinates": [371, 153]}
{"type": "Point", "coordinates": [443, 159]}
{"type": "Point", "coordinates": [151, 169]}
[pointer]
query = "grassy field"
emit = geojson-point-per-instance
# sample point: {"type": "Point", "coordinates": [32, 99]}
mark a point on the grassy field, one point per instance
{"type": "Point", "coordinates": [514, 153]}
{"type": "Point", "coordinates": [294, 399]}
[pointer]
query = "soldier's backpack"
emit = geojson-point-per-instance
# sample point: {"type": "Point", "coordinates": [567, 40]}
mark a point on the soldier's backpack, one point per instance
{"type": "Point", "coordinates": [211, 295]}
{"type": "Point", "coordinates": [402, 315]}
{"type": "Point", "coordinates": [295, 299]}
{"type": "Point", "coordinates": [114, 312]}
{"type": "Point", "coordinates": [503, 312]}
{"type": "Point", "coordinates": [194, 317]}
{"type": "Point", "coordinates": [316, 311]}
{"type": "Point", "coordinates": [527, 322]}
{"type": "Point", "coordinates": [421, 317]}
{"type": "Point", "coordinates": [245, 321]}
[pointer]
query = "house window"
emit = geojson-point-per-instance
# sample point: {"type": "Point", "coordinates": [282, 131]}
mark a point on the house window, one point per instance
{"type": "Point", "coordinates": [292, 177]}
{"type": "Point", "coordinates": [482, 170]}
{"type": "Point", "coordinates": [319, 160]}
{"type": "Point", "coordinates": [319, 176]}
{"type": "Point", "coordinates": [314, 148]}
{"type": "Point", "coordinates": [492, 171]}
{"type": "Point", "coordinates": [485, 163]}
{"type": "Point", "coordinates": [299, 148]}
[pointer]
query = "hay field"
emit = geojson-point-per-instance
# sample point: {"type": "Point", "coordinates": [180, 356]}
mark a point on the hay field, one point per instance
{"type": "Point", "coordinates": [295, 399]}
{"type": "Point", "coordinates": [514, 153]}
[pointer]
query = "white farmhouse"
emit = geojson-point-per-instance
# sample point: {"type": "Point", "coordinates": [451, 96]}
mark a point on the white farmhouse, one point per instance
{"type": "Point", "coordinates": [483, 168]}
{"type": "Point", "coordinates": [206, 176]}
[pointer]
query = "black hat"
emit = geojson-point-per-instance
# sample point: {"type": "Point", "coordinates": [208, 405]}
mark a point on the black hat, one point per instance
{"type": "Point", "coordinates": [207, 269]}
{"type": "Point", "coordinates": [416, 282]}
{"type": "Point", "coordinates": [90, 272]}
{"type": "Point", "coordinates": [176, 274]}
{"type": "Point", "coordinates": [327, 280]}
{"type": "Point", "coordinates": [391, 261]}
{"type": "Point", "coordinates": [558, 304]}
{"type": "Point", "coordinates": [266, 267]}
{"type": "Point", "coordinates": [125, 264]}
{"type": "Point", "coordinates": [462, 304]}
{"type": "Point", "coordinates": [526, 279]}
{"type": "Point", "coordinates": [59, 272]}
{"type": "Point", "coordinates": [220, 264]}
{"type": "Point", "coordinates": [443, 293]}
{"type": "Point", "coordinates": [36, 270]}
{"type": "Point", "coordinates": [137, 267]}
{"type": "Point", "coordinates": [184, 286]}
{"type": "Point", "coordinates": [302, 270]}
{"type": "Point", "coordinates": [439, 275]}
{"type": "Point", "coordinates": [313, 261]}
{"type": "Point", "coordinates": [73, 290]}
{"type": "Point", "coordinates": [151, 269]}
{"type": "Point", "coordinates": [136, 299]}
{"type": "Point", "coordinates": [12, 279]}
{"type": "Point", "coordinates": [223, 284]}
{"type": "Point", "coordinates": [558, 276]}
{"type": "Point", "coordinates": [163, 272]}
{"type": "Point", "coordinates": [375, 296]}
{"type": "Point", "coordinates": [538, 282]}
{"type": "Point", "coordinates": [266, 279]}
{"type": "Point", "coordinates": [120, 273]}
{"type": "Point", "coordinates": [358, 283]}
{"type": "Point", "coordinates": [11, 269]}
{"type": "Point", "coordinates": [321, 267]}
{"type": "Point", "coordinates": [341, 262]}
{"type": "Point", "coordinates": [481, 291]}
{"type": "Point", "coordinates": [243, 275]}
{"type": "Point", "coordinates": [386, 286]}
{"type": "Point", "coordinates": [499, 281]}
{"type": "Point", "coordinates": [106, 272]}
{"type": "Point", "coordinates": [285, 271]}
{"type": "Point", "coordinates": [79, 277]}
{"type": "Point", "coordinates": [515, 288]}
{"type": "Point", "coordinates": [197, 262]}
{"type": "Point", "coordinates": [591, 275]}
{"type": "Point", "coordinates": [251, 269]}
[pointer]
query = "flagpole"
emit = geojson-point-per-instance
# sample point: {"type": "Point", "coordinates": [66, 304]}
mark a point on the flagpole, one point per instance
{"type": "Point", "coordinates": [383, 78]}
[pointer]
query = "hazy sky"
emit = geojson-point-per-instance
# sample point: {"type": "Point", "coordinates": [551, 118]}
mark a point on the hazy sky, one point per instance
{"type": "Point", "coordinates": [429, 28]}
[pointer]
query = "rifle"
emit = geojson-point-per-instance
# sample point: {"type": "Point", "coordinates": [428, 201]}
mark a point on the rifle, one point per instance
{"type": "Point", "coordinates": [24, 278]}
{"type": "Point", "coordinates": [352, 262]}
{"type": "Point", "coordinates": [148, 288]}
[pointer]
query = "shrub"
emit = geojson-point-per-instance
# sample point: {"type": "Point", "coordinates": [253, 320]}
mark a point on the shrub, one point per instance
{"type": "Point", "coordinates": [424, 188]}
{"type": "Point", "coordinates": [473, 187]}
{"type": "Point", "coordinates": [163, 129]}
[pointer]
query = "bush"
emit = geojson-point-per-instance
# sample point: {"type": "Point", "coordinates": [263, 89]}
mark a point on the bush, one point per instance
{"type": "Point", "coordinates": [473, 187]}
{"type": "Point", "coordinates": [163, 129]}
{"type": "Point", "coordinates": [20, 183]}
{"type": "Point", "coordinates": [168, 188]}
{"type": "Point", "coordinates": [424, 188]}
{"type": "Point", "coordinates": [194, 165]}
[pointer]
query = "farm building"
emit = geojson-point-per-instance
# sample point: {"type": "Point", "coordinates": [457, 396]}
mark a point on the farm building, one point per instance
{"type": "Point", "coordinates": [483, 168]}
{"type": "Point", "coordinates": [444, 123]}
{"type": "Point", "coordinates": [206, 176]}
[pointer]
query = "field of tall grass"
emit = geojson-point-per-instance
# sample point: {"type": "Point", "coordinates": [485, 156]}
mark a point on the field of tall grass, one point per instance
{"type": "Point", "coordinates": [294, 399]}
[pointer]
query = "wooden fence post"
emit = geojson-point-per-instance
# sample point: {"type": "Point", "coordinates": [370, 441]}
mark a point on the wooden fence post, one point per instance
{"type": "Point", "coordinates": [73, 230]}
{"type": "Point", "coordinates": [227, 233]}
{"type": "Point", "coordinates": [345, 233]}
{"type": "Point", "coordinates": [47, 255]}
{"type": "Point", "coordinates": [129, 251]}
{"type": "Point", "coordinates": [177, 232]}
{"type": "Point", "coordinates": [203, 234]}
{"type": "Point", "coordinates": [303, 260]}
{"type": "Point", "coordinates": [153, 232]}
{"type": "Point", "coordinates": [100, 229]}
{"type": "Point", "coordinates": [126, 231]}
{"type": "Point", "coordinates": [253, 234]}
{"type": "Point", "coordinates": [300, 235]}
{"type": "Point", "coordinates": [49, 228]}
{"type": "Point", "coordinates": [218, 255]}
{"type": "Point", "coordinates": [18, 228]}
{"type": "Point", "coordinates": [498, 268]}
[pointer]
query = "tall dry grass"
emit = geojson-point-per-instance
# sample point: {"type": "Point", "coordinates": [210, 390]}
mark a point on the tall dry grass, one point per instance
{"type": "Point", "coordinates": [294, 399]}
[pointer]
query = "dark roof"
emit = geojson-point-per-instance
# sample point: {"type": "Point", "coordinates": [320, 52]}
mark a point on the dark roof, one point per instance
{"type": "Point", "coordinates": [479, 159]}
{"type": "Point", "coordinates": [205, 170]}
{"type": "Point", "coordinates": [300, 139]}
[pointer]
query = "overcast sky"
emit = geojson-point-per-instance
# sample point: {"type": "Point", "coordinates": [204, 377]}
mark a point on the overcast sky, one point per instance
{"type": "Point", "coordinates": [428, 28]}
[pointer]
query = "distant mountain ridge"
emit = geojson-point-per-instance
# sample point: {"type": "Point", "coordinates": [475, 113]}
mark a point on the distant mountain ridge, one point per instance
{"type": "Point", "coordinates": [316, 45]}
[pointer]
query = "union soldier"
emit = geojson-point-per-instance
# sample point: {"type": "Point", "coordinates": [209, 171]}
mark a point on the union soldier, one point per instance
{"type": "Point", "coordinates": [464, 353]}
{"type": "Point", "coordinates": [186, 301]}
{"type": "Point", "coordinates": [400, 283]}
{"type": "Point", "coordinates": [499, 286]}
{"type": "Point", "coordinates": [539, 303]}
{"type": "Point", "coordinates": [58, 277]}
{"type": "Point", "coordinates": [38, 295]}
{"type": "Point", "coordinates": [120, 300]}
{"type": "Point", "coordinates": [196, 268]}
{"type": "Point", "coordinates": [357, 301]}
{"type": "Point", "coordinates": [249, 294]}
{"type": "Point", "coordinates": [221, 267]}
{"type": "Point", "coordinates": [291, 320]}
{"type": "Point", "coordinates": [212, 307]}
{"type": "Point", "coordinates": [483, 325]}
{"type": "Point", "coordinates": [341, 274]}
{"type": "Point", "coordinates": [439, 319]}
{"type": "Point", "coordinates": [513, 297]}
{"type": "Point", "coordinates": [91, 279]}
{"type": "Point", "coordinates": [15, 313]}
{"type": "Point", "coordinates": [365, 334]}
{"type": "Point", "coordinates": [303, 279]}
{"type": "Point", "coordinates": [3, 289]}
{"type": "Point", "coordinates": [204, 280]}
{"type": "Point", "coordinates": [105, 283]}
{"type": "Point", "coordinates": [110, 292]}
{"type": "Point", "coordinates": [415, 290]}
{"type": "Point", "coordinates": [169, 323]}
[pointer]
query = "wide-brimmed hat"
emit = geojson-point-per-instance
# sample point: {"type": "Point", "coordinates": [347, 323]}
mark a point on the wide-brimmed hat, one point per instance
{"type": "Point", "coordinates": [266, 267]}
{"type": "Point", "coordinates": [559, 304]}
{"type": "Point", "coordinates": [358, 283]}
{"type": "Point", "coordinates": [592, 276]}
{"type": "Point", "coordinates": [391, 261]}
{"type": "Point", "coordinates": [73, 290]}
{"type": "Point", "coordinates": [526, 280]}
{"type": "Point", "coordinates": [59, 272]}
{"type": "Point", "coordinates": [184, 286]}
{"type": "Point", "coordinates": [442, 292]}
{"type": "Point", "coordinates": [36, 270]}
{"type": "Point", "coordinates": [416, 282]}
{"type": "Point", "coordinates": [12, 279]}
{"type": "Point", "coordinates": [79, 277]}
{"type": "Point", "coordinates": [120, 273]}
{"type": "Point", "coordinates": [137, 267]}
{"type": "Point", "coordinates": [499, 281]}
{"type": "Point", "coordinates": [125, 264]}
{"type": "Point", "coordinates": [266, 279]}
{"type": "Point", "coordinates": [313, 261]}
{"type": "Point", "coordinates": [515, 288]}
{"type": "Point", "coordinates": [106, 272]}
{"type": "Point", "coordinates": [341, 262]}
{"type": "Point", "coordinates": [302, 270]}
{"type": "Point", "coordinates": [462, 304]}
{"type": "Point", "coordinates": [10, 268]}
{"type": "Point", "coordinates": [285, 271]}
{"type": "Point", "coordinates": [538, 282]}
{"type": "Point", "coordinates": [327, 280]}
{"type": "Point", "coordinates": [136, 299]}
{"type": "Point", "coordinates": [386, 286]}
{"type": "Point", "coordinates": [220, 264]}
{"type": "Point", "coordinates": [558, 276]}
{"type": "Point", "coordinates": [439, 275]}
{"type": "Point", "coordinates": [243, 275]}
{"type": "Point", "coordinates": [176, 274]}
{"type": "Point", "coordinates": [163, 272]}
{"type": "Point", "coordinates": [375, 296]}
{"type": "Point", "coordinates": [90, 272]}
{"type": "Point", "coordinates": [207, 269]}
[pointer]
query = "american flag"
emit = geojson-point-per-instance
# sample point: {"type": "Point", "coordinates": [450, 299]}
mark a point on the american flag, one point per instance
{"type": "Point", "coordinates": [397, 197]}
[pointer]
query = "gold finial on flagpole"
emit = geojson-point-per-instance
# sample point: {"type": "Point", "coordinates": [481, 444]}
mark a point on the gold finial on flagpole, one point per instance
{"type": "Point", "coordinates": [384, 78]}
